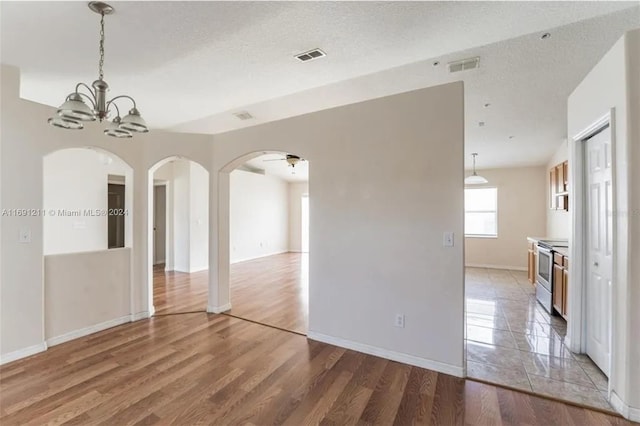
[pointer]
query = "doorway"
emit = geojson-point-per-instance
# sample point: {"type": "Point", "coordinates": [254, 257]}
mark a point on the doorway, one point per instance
{"type": "Point", "coordinates": [598, 247]}
{"type": "Point", "coordinates": [269, 241]}
{"type": "Point", "coordinates": [159, 223]}
{"type": "Point", "coordinates": [116, 208]}
{"type": "Point", "coordinates": [178, 237]}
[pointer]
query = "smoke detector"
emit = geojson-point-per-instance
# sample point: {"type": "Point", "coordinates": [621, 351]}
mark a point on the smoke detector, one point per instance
{"type": "Point", "coordinates": [310, 55]}
{"type": "Point", "coordinates": [243, 115]}
{"type": "Point", "coordinates": [464, 64]}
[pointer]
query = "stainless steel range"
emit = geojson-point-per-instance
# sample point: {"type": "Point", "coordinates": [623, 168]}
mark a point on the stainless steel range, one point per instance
{"type": "Point", "coordinates": [544, 278]}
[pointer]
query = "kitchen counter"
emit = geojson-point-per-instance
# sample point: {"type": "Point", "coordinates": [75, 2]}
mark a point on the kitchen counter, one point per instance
{"type": "Point", "coordinates": [562, 250]}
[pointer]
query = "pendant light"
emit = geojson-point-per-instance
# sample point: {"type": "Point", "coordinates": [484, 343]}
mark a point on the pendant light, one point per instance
{"type": "Point", "coordinates": [74, 111]}
{"type": "Point", "coordinates": [475, 179]}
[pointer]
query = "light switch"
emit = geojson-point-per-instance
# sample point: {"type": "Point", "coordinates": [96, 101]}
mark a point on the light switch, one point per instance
{"type": "Point", "coordinates": [25, 235]}
{"type": "Point", "coordinates": [447, 239]}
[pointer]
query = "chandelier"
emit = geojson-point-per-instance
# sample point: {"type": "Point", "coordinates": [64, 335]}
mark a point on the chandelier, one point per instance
{"type": "Point", "coordinates": [74, 111]}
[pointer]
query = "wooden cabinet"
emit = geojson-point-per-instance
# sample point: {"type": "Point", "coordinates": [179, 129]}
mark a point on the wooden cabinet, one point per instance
{"type": "Point", "coordinates": [560, 284]}
{"type": "Point", "coordinates": [532, 261]}
{"type": "Point", "coordinates": [559, 187]}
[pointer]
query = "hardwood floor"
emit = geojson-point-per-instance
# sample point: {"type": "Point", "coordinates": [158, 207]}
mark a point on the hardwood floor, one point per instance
{"type": "Point", "coordinates": [214, 369]}
{"type": "Point", "coordinates": [272, 290]}
{"type": "Point", "coordinates": [177, 292]}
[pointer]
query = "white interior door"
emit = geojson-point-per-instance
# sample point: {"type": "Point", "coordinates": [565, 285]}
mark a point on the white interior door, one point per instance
{"type": "Point", "coordinates": [599, 247]}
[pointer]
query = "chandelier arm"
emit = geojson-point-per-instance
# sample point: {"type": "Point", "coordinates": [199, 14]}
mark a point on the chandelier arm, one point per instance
{"type": "Point", "coordinates": [91, 98]}
{"type": "Point", "coordinates": [93, 104]}
{"type": "Point", "coordinates": [117, 109]}
{"type": "Point", "coordinates": [119, 97]}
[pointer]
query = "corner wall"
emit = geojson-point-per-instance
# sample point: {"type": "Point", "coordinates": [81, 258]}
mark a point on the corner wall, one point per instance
{"type": "Point", "coordinates": [613, 83]}
{"type": "Point", "coordinates": [377, 221]}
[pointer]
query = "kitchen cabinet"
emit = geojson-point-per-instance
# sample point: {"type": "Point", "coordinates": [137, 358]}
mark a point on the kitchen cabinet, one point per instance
{"type": "Point", "coordinates": [560, 283]}
{"type": "Point", "coordinates": [559, 187]}
{"type": "Point", "coordinates": [532, 262]}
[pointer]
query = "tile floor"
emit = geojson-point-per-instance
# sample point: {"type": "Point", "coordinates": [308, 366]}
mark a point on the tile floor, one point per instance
{"type": "Point", "coordinates": [511, 340]}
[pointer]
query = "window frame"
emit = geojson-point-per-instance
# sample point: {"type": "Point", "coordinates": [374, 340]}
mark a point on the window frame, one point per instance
{"type": "Point", "coordinates": [481, 211]}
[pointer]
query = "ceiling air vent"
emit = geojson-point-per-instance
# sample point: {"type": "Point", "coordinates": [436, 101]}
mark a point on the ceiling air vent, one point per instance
{"type": "Point", "coordinates": [310, 55]}
{"type": "Point", "coordinates": [244, 115]}
{"type": "Point", "coordinates": [464, 64]}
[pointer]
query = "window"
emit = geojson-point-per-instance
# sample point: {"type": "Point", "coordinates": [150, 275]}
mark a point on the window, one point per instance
{"type": "Point", "coordinates": [481, 212]}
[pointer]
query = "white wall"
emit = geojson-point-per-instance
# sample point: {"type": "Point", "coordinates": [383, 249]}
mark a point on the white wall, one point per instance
{"type": "Point", "coordinates": [198, 218]}
{"type": "Point", "coordinates": [25, 138]}
{"type": "Point", "coordinates": [86, 292]}
{"type": "Point", "coordinates": [377, 221]}
{"type": "Point", "coordinates": [75, 180]}
{"type": "Point", "coordinates": [295, 214]}
{"type": "Point", "coordinates": [522, 209]}
{"type": "Point", "coordinates": [165, 175]}
{"type": "Point", "coordinates": [259, 217]}
{"type": "Point", "coordinates": [614, 83]}
{"type": "Point", "coordinates": [558, 221]}
{"type": "Point", "coordinates": [182, 216]}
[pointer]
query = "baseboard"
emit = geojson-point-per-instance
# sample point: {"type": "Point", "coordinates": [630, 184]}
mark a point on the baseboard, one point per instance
{"type": "Point", "coordinates": [23, 353]}
{"type": "Point", "coordinates": [142, 315]}
{"type": "Point", "coordinates": [87, 330]}
{"type": "Point", "coordinates": [627, 411]}
{"type": "Point", "coordinates": [509, 268]}
{"type": "Point", "coordinates": [219, 309]}
{"type": "Point", "coordinates": [388, 354]}
{"type": "Point", "coordinates": [244, 259]}
{"type": "Point", "coordinates": [158, 262]}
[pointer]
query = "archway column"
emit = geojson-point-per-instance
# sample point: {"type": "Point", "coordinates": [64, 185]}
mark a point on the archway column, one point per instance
{"type": "Point", "coordinates": [219, 299]}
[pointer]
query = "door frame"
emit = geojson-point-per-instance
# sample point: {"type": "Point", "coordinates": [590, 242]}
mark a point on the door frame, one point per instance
{"type": "Point", "coordinates": [576, 330]}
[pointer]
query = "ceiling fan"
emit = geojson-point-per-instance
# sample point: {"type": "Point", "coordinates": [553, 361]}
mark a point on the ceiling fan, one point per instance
{"type": "Point", "coordinates": [290, 158]}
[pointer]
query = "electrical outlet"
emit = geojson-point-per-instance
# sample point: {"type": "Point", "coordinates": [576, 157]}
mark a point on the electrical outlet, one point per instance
{"type": "Point", "coordinates": [447, 239]}
{"type": "Point", "coordinates": [399, 320]}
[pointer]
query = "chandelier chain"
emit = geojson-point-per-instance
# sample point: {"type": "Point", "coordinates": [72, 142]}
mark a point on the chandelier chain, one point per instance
{"type": "Point", "coordinates": [101, 63]}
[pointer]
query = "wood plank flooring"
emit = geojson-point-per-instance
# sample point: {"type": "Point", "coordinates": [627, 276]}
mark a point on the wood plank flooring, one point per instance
{"type": "Point", "coordinates": [177, 292]}
{"type": "Point", "coordinates": [214, 369]}
{"type": "Point", "coordinates": [271, 290]}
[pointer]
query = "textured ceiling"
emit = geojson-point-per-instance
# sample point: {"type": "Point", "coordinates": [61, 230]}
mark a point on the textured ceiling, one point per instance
{"type": "Point", "coordinates": [190, 65]}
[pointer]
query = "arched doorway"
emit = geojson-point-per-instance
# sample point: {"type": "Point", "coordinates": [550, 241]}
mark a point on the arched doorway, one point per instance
{"type": "Point", "coordinates": [267, 268]}
{"type": "Point", "coordinates": [178, 249]}
{"type": "Point", "coordinates": [87, 242]}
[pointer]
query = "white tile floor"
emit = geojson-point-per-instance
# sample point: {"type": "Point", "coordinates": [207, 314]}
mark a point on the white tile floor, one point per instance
{"type": "Point", "coordinates": [511, 340]}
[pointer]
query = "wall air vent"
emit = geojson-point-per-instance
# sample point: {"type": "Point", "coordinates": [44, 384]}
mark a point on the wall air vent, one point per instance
{"type": "Point", "coordinates": [243, 115]}
{"type": "Point", "coordinates": [310, 55]}
{"type": "Point", "coordinates": [464, 64]}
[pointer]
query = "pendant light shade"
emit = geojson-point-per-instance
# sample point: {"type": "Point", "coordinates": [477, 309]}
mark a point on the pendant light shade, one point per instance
{"type": "Point", "coordinates": [475, 179]}
{"type": "Point", "coordinates": [114, 130]}
{"type": "Point", "coordinates": [65, 123]}
{"type": "Point", "coordinates": [75, 108]}
{"type": "Point", "coordinates": [133, 122]}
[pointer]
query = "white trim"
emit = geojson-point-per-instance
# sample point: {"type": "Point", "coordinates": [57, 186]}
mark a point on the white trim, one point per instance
{"type": "Point", "coordinates": [627, 411]}
{"type": "Point", "coordinates": [87, 330]}
{"type": "Point", "coordinates": [219, 309]}
{"type": "Point", "coordinates": [576, 330]}
{"type": "Point", "coordinates": [482, 265]}
{"type": "Point", "coordinates": [441, 367]}
{"type": "Point", "coordinates": [23, 353]}
{"type": "Point", "coordinates": [244, 259]}
{"type": "Point", "coordinates": [141, 315]}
